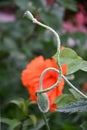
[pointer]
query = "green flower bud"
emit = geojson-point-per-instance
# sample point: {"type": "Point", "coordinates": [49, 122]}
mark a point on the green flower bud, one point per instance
{"type": "Point", "coordinates": [29, 15]}
{"type": "Point", "coordinates": [43, 102]}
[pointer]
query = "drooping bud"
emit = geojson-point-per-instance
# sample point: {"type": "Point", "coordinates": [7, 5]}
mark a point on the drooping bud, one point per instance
{"type": "Point", "coordinates": [43, 102]}
{"type": "Point", "coordinates": [29, 15]}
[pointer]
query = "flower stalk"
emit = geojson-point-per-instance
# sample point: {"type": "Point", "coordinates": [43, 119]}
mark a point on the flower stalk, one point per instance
{"type": "Point", "coordinates": [53, 86]}
{"type": "Point", "coordinates": [30, 16]}
{"type": "Point", "coordinates": [41, 94]}
{"type": "Point", "coordinates": [46, 122]}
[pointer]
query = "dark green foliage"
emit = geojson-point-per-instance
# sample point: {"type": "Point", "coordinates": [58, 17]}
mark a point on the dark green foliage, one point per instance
{"type": "Point", "coordinates": [21, 41]}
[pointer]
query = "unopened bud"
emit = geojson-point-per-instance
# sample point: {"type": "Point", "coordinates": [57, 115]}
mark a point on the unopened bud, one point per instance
{"type": "Point", "coordinates": [43, 102]}
{"type": "Point", "coordinates": [29, 15]}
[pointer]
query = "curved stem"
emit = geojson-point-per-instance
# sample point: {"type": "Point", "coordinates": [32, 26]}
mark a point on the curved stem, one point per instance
{"type": "Point", "coordinates": [41, 79]}
{"type": "Point", "coordinates": [57, 38]}
{"type": "Point", "coordinates": [30, 16]}
{"type": "Point", "coordinates": [71, 85]}
{"type": "Point", "coordinates": [53, 86]}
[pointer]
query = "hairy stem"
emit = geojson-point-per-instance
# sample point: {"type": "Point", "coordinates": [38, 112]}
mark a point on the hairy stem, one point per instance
{"type": "Point", "coordinates": [30, 16]}
{"type": "Point", "coordinates": [53, 86]}
{"type": "Point", "coordinates": [71, 85]}
{"type": "Point", "coordinates": [41, 80]}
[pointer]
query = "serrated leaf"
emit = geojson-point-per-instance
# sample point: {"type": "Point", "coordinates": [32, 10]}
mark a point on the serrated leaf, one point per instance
{"type": "Point", "coordinates": [64, 99]}
{"type": "Point", "coordinates": [78, 106]}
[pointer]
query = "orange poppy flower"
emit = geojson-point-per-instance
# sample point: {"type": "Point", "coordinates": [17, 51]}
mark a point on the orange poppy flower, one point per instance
{"type": "Point", "coordinates": [31, 75]}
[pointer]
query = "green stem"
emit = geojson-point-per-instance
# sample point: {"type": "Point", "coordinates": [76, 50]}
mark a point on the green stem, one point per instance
{"type": "Point", "coordinates": [41, 79]}
{"type": "Point", "coordinates": [46, 122]}
{"type": "Point", "coordinates": [30, 16]}
{"type": "Point", "coordinates": [53, 86]}
{"type": "Point", "coordinates": [57, 38]}
{"type": "Point", "coordinates": [58, 60]}
{"type": "Point", "coordinates": [58, 42]}
{"type": "Point", "coordinates": [71, 85]}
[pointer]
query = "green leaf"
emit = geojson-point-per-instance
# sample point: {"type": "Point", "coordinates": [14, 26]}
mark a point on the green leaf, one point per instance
{"type": "Point", "coordinates": [74, 66]}
{"type": "Point", "coordinates": [64, 99]}
{"type": "Point", "coordinates": [75, 62]}
{"type": "Point", "coordinates": [34, 119]}
{"type": "Point", "coordinates": [29, 121]}
{"type": "Point", "coordinates": [12, 123]}
{"type": "Point", "coordinates": [43, 102]}
{"type": "Point", "coordinates": [22, 104]}
{"type": "Point", "coordinates": [84, 66]}
{"type": "Point", "coordinates": [78, 106]}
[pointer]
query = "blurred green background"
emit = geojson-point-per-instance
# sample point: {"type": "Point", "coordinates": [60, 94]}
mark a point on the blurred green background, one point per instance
{"type": "Point", "coordinates": [21, 41]}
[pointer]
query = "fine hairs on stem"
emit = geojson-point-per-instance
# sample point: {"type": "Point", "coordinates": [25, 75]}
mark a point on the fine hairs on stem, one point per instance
{"type": "Point", "coordinates": [53, 86]}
